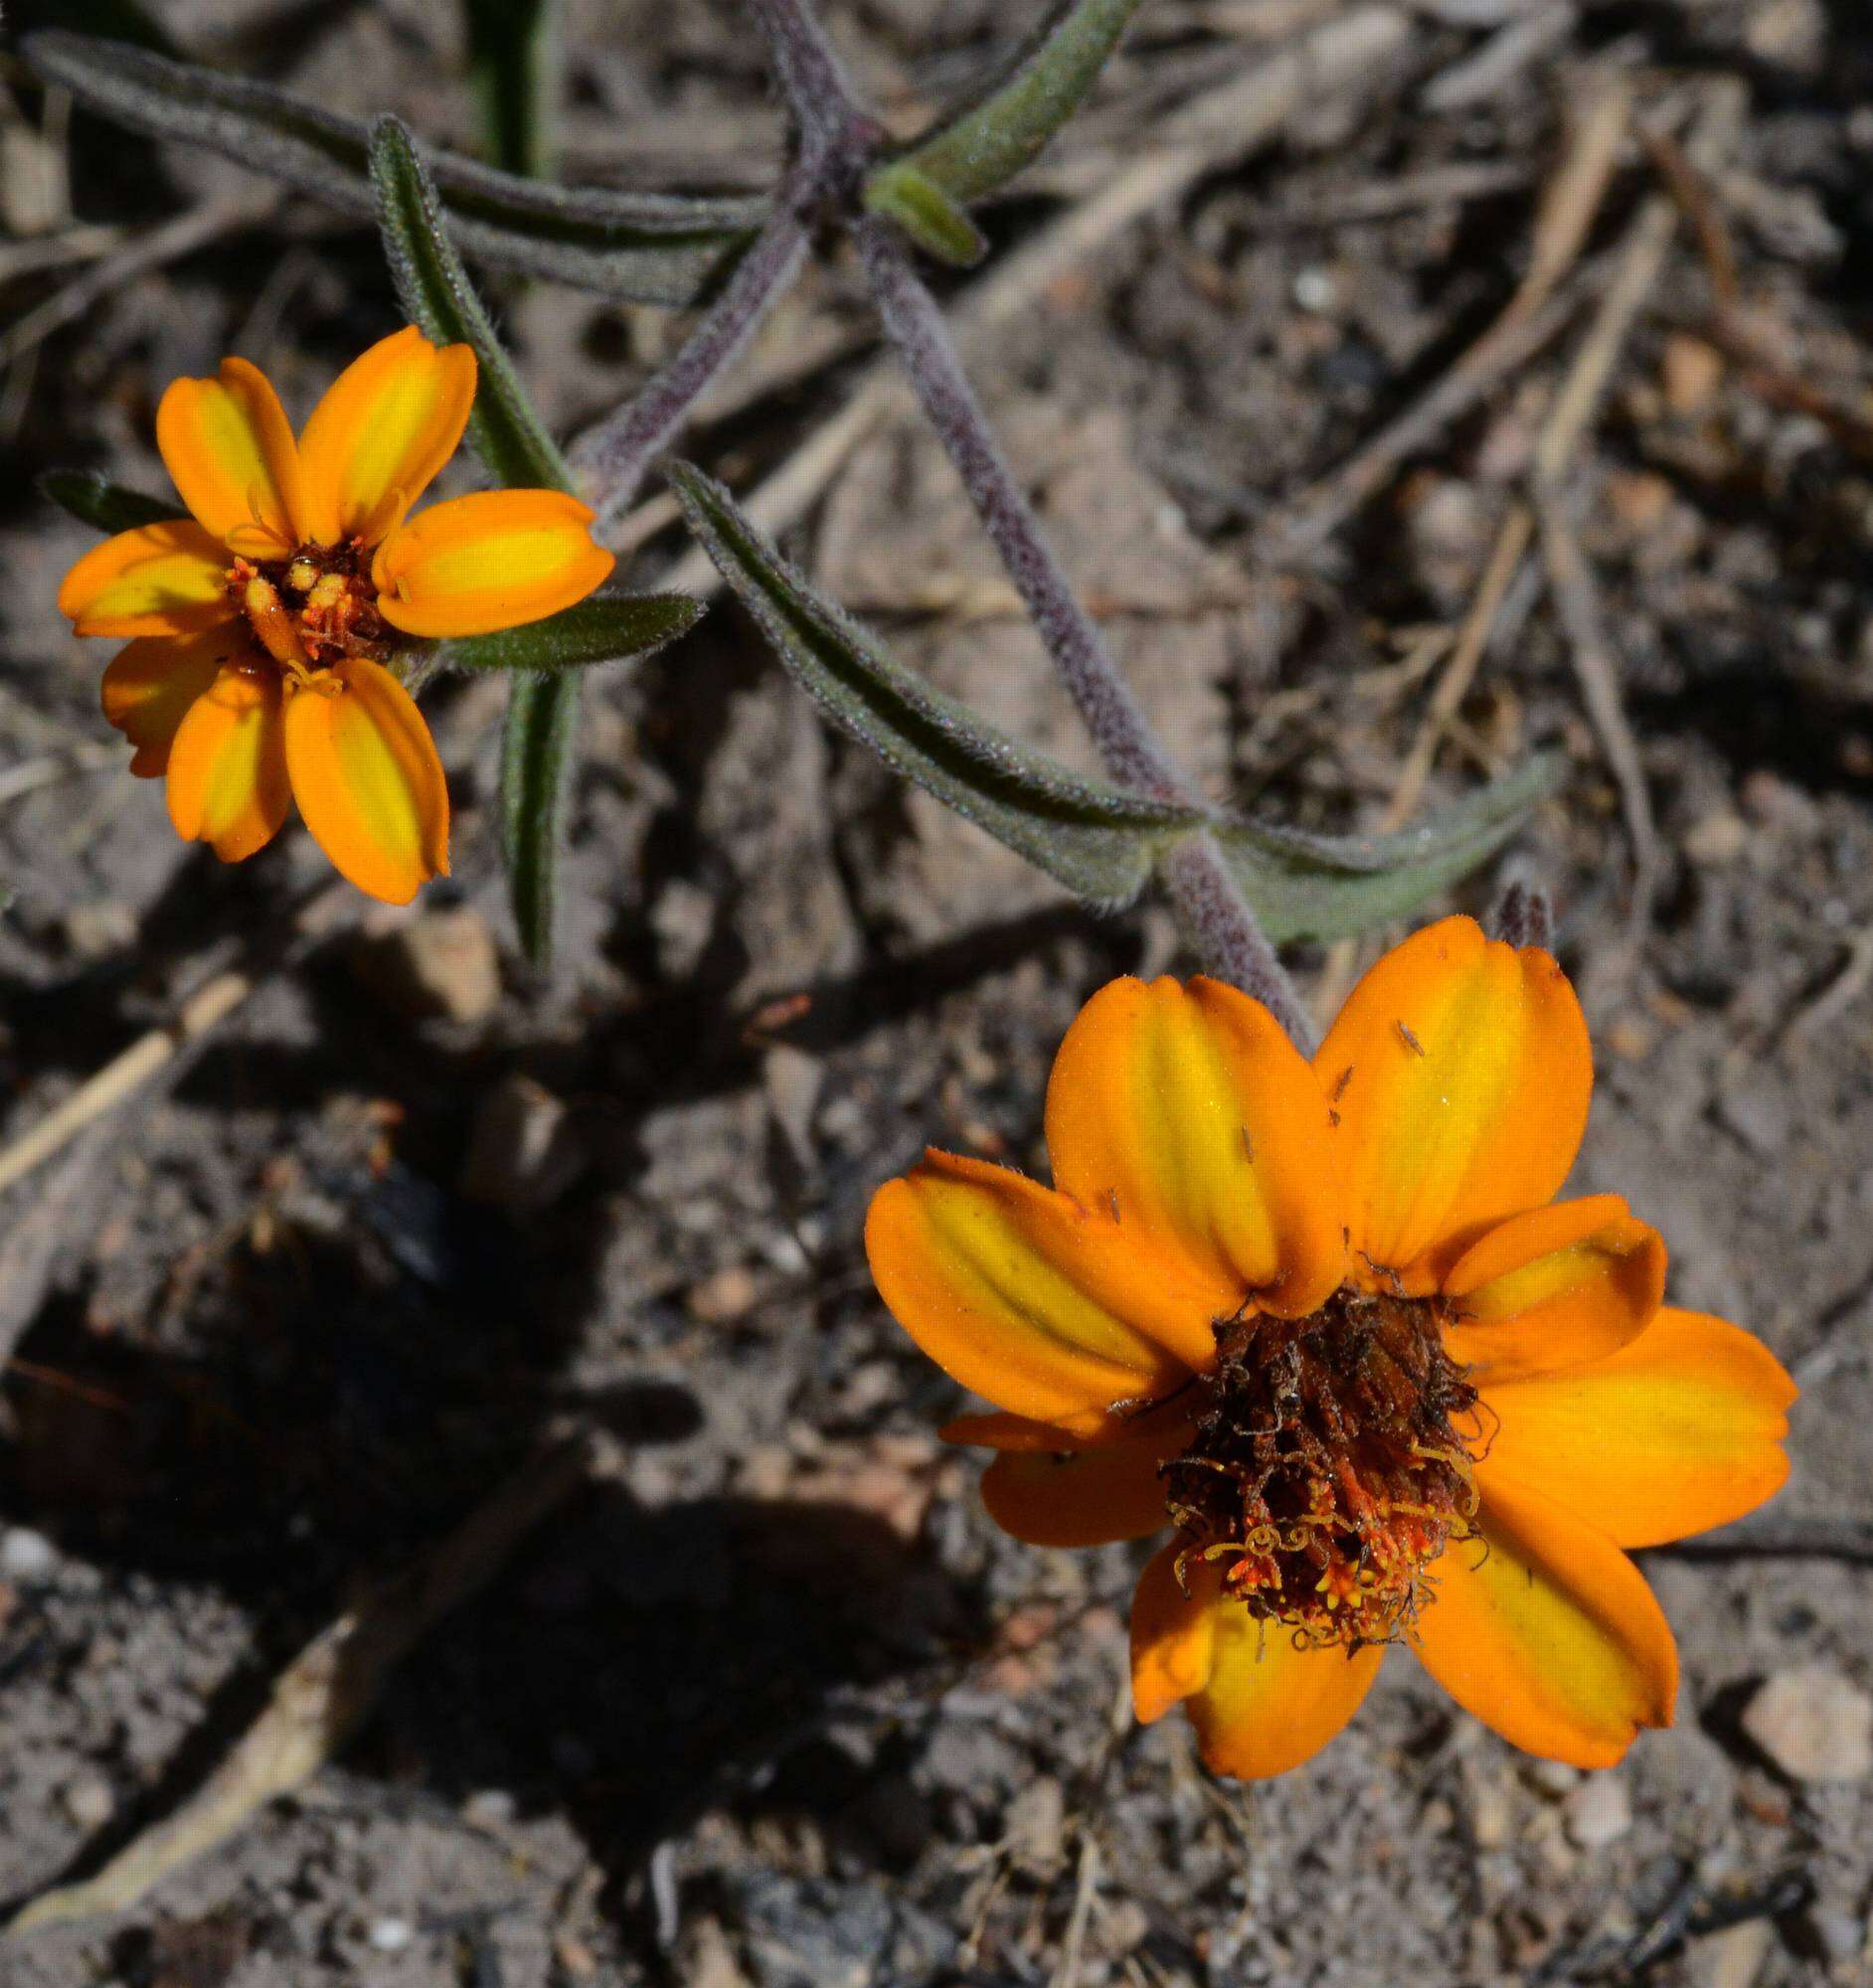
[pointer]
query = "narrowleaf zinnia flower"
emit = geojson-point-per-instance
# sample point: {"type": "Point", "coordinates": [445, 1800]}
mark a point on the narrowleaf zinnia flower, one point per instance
{"type": "Point", "coordinates": [264, 622]}
{"type": "Point", "coordinates": [1327, 1323]}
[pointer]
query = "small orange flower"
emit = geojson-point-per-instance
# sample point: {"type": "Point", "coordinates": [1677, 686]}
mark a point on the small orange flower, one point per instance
{"type": "Point", "coordinates": [262, 624]}
{"type": "Point", "coordinates": [1329, 1322]}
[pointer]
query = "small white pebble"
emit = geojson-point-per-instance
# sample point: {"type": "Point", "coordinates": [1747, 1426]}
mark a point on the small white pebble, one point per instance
{"type": "Point", "coordinates": [26, 1555]}
{"type": "Point", "coordinates": [391, 1935]}
{"type": "Point", "coordinates": [1598, 1812]}
{"type": "Point", "coordinates": [88, 1801]}
{"type": "Point", "coordinates": [489, 1808]}
{"type": "Point", "coordinates": [1314, 290]}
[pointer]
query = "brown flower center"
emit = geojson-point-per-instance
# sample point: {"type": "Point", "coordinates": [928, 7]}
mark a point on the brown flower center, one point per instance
{"type": "Point", "coordinates": [313, 609]}
{"type": "Point", "coordinates": [1328, 1473]}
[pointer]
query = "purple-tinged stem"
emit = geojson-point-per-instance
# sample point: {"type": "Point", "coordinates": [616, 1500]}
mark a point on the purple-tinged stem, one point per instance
{"type": "Point", "coordinates": [613, 459]}
{"type": "Point", "coordinates": [916, 330]}
{"type": "Point", "coordinates": [826, 113]}
{"type": "Point", "coordinates": [1219, 917]}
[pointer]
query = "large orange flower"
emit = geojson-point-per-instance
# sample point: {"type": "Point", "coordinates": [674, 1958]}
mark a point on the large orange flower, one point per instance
{"type": "Point", "coordinates": [1329, 1322]}
{"type": "Point", "coordinates": [264, 622]}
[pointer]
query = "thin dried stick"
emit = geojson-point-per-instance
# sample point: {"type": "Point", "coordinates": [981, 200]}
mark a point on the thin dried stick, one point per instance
{"type": "Point", "coordinates": [1637, 271]}
{"type": "Point", "coordinates": [326, 1692]}
{"type": "Point", "coordinates": [131, 1069]}
{"type": "Point", "coordinates": [176, 238]}
{"type": "Point", "coordinates": [1532, 316]}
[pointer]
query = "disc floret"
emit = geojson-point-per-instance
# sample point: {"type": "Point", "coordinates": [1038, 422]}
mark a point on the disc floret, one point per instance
{"type": "Point", "coordinates": [1327, 1472]}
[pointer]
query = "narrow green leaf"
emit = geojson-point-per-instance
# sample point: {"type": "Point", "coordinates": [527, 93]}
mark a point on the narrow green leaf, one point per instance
{"type": "Point", "coordinates": [656, 248]}
{"type": "Point", "coordinates": [536, 758]}
{"type": "Point", "coordinates": [1331, 886]}
{"type": "Point", "coordinates": [925, 213]}
{"type": "Point", "coordinates": [95, 500]}
{"type": "Point", "coordinates": [513, 69]}
{"type": "Point", "coordinates": [1099, 840]}
{"type": "Point", "coordinates": [1004, 127]}
{"type": "Point", "coordinates": [602, 628]}
{"type": "Point", "coordinates": [436, 293]}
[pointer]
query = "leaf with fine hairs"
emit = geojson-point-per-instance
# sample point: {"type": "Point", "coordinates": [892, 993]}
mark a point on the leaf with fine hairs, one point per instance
{"type": "Point", "coordinates": [105, 506]}
{"type": "Point", "coordinates": [1100, 840]}
{"type": "Point", "coordinates": [654, 249]}
{"type": "Point", "coordinates": [602, 628]}
{"type": "Point", "coordinates": [1003, 127]}
{"type": "Point", "coordinates": [1327, 887]}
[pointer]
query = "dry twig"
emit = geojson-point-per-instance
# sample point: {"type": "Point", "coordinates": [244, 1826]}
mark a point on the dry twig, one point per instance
{"type": "Point", "coordinates": [1531, 318]}
{"type": "Point", "coordinates": [326, 1692]}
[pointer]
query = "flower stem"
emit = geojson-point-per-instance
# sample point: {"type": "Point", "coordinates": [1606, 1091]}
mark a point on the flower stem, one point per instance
{"type": "Point", "coordinates": [611, 460]}
{"type": "Point", "coordinates": [1219, 918]}
{"type": "Point", "coordinates": [828, 115]}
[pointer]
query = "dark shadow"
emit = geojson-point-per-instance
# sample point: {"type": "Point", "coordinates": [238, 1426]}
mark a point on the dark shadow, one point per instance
{"type": "Point", "coordinates": [633, 1668]}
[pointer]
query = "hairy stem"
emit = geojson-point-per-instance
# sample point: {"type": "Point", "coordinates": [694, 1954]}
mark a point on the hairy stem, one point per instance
{"type": "Point", "coordinates": [613, 459]}
{"type": "Point", "coordinates": [1226, 934]}
{"type": "Point", "coordinates": [1217, 915]}
{"type": "Point", "coordinates": [828, 117]}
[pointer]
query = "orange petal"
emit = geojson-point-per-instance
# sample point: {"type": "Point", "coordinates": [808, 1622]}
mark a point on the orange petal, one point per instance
{"type": "Point", "coordinates": [227, 782]}
{"type": "Point", "coordinates": [1555, 1287]}
{"type": "Point", "coordinates": [1547, 1632]}
{"type": "Point", "coordinates": [1260, 1705]}
{"type": "Point", "coordinates": [160, 580]}
{"type": "Point", "coordinates": [150, 685]}
{"type": "Point", "coordinates": [226, 444]}
{"type": "Point", "coordinates": [495, 559]}
{"type": "Point", "coordinates": [1188, 1113]}
{"type": "Point", "coordinates": [367, 780]}
{"type": "Point", "coordinates": [385, 425]}
{"type": "Point", "coordinates": [1173, 1633]}
{"type": "Point", "coordinates": [1679, 1431]}
{"type": "Point", "coordinates": [1083, 1499]}
{"type": "Point", "coordinates": [1025, 1299]}
{"type": "Point", "coordinates": [1461, 1071]}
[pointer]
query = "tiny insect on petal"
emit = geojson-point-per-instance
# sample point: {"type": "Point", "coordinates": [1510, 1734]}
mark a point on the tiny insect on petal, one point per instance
{"type": "Point", "coordinates": [227, 782]}
{"type": "Point", "coordinates": [495, 559]}
{"type": "Point", "coordinates": [367, 780]}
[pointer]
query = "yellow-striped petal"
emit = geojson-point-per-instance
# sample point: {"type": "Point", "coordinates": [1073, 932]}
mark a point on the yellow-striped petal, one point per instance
{"type": "Point", "coordinates": [150, 685]}
{"type": "Point", "coordinates": [1173, 1633]}
{"type": "Point", "coordinates": [1555, 1287]}
{"type": "Point", "coordinates": [1186, 1115]}
{"type": "Point", "coordinates": [1679, 1432]}
{"type": "Point", "coordinates": [228, 447]}
{"type": "Point", "coordinates": [367, 777]}
{"type": "Point", "coordinates": [1085, 1498]}
{"type": "Point", "coordinates": [1029, 1300]}
{"type": "Point", "coordinates": [160, 580]}
{"type": "Point", "coordinates": [385, 425]}
{"type": "Point", "coordinates": [495, 559]}
{"type": "Point", "coordinates": [1260, 1705]}
{"type": "Point", "coordinates": [227, 782]}
{"type": "Point", "coordinates": [1461, 1071]}
{"type": "Point", "coordinates": [1544, 1631]}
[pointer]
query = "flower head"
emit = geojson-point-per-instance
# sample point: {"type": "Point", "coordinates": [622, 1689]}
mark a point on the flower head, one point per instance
{"type": "Point", "coordinates": [262, 624]}
{"type": "Point", "coordinates": [1328, 1324]}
